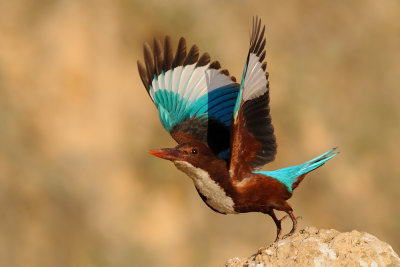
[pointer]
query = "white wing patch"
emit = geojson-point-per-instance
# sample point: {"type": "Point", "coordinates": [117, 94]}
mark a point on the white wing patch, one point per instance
{"type": "Point", "coordinates": [196, 81]}
{"type": "Point", "coordinates": [190, 82]}
{"type": "Point", "coordinates": [255, 82]}
{"type": "Point", "coordinates": [215, 194]}
{"type": "Point", "coordinates": [216, 79]}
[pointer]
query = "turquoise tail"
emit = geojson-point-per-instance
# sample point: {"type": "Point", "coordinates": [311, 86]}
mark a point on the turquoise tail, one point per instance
{"type": "Point", "coordinates": [288, 176]}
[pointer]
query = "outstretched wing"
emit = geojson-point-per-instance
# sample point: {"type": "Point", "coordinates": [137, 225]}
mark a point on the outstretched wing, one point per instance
{"type": "Point", "coordinates": [253, 143]}
{"type": "Point", "coordinates": [194, 97]}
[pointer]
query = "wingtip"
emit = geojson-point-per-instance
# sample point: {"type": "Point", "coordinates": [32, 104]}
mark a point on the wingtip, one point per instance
{"type": "Point", "coordinates": [146, 46]}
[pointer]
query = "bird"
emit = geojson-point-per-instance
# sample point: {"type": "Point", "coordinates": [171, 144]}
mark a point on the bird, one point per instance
{"type": "Point", "coordinates": [223, 128]}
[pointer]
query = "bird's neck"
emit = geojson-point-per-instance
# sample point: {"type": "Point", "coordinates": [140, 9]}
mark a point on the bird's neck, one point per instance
{"type": "Point", "coordinates": [215, 171]}
{"type": "Point", "coordinates": [212, 182]}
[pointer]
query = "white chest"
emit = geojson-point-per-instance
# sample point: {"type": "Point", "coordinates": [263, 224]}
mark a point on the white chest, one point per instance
{"type": "Point", "coordinates": [216, 196]}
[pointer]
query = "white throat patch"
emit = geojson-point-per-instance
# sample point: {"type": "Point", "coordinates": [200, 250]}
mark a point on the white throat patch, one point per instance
{"type": "Point", "coordinates": [216, 196]}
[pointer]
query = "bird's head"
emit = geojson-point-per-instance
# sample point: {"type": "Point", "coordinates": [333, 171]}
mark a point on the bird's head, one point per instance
{"type": "Point", "coordinates": [197, 154]}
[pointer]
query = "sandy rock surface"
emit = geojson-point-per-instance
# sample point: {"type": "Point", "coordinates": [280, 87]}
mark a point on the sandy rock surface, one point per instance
{"type": "Point", "coordinates": [313, 247]}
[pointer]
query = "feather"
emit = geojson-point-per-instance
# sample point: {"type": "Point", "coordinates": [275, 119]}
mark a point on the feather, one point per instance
{"type": "Point", "coordinates": [168, 54]}
{"type": "Point", "coordinates": [180, 53]}
{"type": "Point", "coordinates": [260, 43]}
{"type": "Point", "coordinates": [143, 75]}
{"type": "Point", "coordinates": [225, 72]}
{"type": "Point", "coordinates": [148, 60]}
{"type": "Point", "coordinates": [204, 60]}
{"type": "Point", "coordinates": [264, 66]}
{"type": "Point", "coordinates": [288, 176]}
{"type": "Point", "coordinates": [158, 56]}
{"type": "Point", "coordinates": [215, 65]}
{"type": "Point", "coordinates": [192, 56]}
{"type": "Point", "coordinates": [262, 57]}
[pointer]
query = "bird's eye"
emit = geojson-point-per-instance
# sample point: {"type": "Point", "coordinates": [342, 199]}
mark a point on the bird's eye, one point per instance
{"type": "Point", "coordinates": [194, 151]}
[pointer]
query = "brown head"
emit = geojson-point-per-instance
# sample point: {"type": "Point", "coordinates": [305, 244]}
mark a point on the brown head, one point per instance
{"type": "Point", "coordinates": [197, 154]}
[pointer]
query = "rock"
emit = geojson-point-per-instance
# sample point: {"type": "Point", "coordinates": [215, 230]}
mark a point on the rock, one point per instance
{"type": "Point", "coordinates": [313, 247]}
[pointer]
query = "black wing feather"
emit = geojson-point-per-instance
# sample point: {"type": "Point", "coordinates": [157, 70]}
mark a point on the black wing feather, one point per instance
{"type": "Point", "coordinates": [258, 121]}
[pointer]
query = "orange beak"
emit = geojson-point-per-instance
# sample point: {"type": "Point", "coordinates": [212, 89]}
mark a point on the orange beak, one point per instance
{"type": "Point", "coordinates": [167, 153]}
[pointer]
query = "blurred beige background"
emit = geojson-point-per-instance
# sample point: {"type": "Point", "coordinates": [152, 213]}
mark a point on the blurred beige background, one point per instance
{"type": "Point", "coordinates": [77, 186]}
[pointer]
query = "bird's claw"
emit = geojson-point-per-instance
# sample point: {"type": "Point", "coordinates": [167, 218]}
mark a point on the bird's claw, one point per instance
{"type": "Point", "coordinates": [291, 231]}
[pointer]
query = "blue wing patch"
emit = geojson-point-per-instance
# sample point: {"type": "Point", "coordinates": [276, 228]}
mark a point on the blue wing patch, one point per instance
{"type": "Point", "coordinates": [173, 108]}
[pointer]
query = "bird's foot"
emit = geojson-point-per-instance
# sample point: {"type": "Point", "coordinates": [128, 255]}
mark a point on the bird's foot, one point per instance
{"type": "Point", "coordinates": [288, 234]}
{"type": "Point", "coordinates": [278, 236]}
{"type": "Point", "coordinates": [294, 220]}
{"type": "Point", "coordinates": [279, 229]}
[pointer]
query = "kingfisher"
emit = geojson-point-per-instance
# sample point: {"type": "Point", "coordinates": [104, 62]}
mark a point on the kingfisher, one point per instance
{"type": "Point", "coordinates": [223, 129]}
